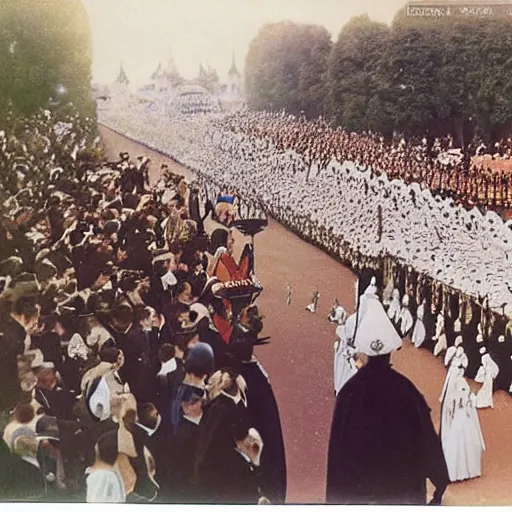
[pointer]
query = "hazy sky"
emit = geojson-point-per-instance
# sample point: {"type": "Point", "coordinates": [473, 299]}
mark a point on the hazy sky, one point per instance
{"type": "Point", "coordinates": [140, 33]}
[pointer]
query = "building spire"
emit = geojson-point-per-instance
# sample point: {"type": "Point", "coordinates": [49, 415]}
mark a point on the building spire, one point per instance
{"type": "Point", "coordinates": [157, 72]}
{"type": "Point", "coordinates": [122, 78]}
{"type": "Point", "coordinates": [233, 70]}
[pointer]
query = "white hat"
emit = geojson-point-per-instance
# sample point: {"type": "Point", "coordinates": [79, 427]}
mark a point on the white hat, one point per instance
{"type": "Point", "coordinates": [201, 310]}
{"type": "Point", "coordinates": [479, 339]}
{"type": "Point", "coordinates": [483, 350]}
{"type": "Point", "coordinates": [375, 334]}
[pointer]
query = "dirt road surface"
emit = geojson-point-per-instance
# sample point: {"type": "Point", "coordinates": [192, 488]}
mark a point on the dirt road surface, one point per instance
{"type": "Point", "coordinates": [299, 360]}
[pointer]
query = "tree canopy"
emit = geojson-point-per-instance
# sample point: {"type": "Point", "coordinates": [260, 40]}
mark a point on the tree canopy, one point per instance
{"type": "Point", "coordinates": [356, 75]}
{"type": "Point", "coordinates": [418, 76]}
{"type": "Point", "coordinates": [45, 56]}
{"type": "Point", "coordinates": [286, 68]}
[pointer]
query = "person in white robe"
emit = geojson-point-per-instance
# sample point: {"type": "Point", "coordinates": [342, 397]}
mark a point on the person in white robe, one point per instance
{"type": "Point", "coordinates": [461, 434]}
{"type": "Point", "coordinates": [394, 307]}
{"type": "Point", "coordinates": [406, 321]}
{"type": "Point", "coordinates": [344, 357]}
{"type": "Point", "coordinates": [419, 332]}
{"type": "Point", "coordinates": [455, 360]}
{"type": "Point", "coordinates": [486, 374]}
{"type": "Point", "coordinates": [387, 294]}
{"type": "Point", "coordinates": [440, 336]}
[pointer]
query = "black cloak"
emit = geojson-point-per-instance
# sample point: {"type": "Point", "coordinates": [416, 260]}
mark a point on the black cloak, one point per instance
{"type": "Point", "coordinates": [383, 444]}
{"type": "Point", "coordinates": [264, 417]}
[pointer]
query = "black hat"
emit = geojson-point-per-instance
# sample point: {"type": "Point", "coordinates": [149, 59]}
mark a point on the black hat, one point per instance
{"type": "Point", "coordinates": [200, 359]}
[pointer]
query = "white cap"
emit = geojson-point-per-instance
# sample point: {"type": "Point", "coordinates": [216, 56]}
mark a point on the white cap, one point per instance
{"type": "Point", "coordinates": [201, 310]}
{"type": "Point", "coordinates": [479, 339]}
{"type": "Point", "coordinates": [483, 350]}
{"type": "Point", "coordinates": [458, 341]}
{"type": "Point", "coordinates": [375, 334]}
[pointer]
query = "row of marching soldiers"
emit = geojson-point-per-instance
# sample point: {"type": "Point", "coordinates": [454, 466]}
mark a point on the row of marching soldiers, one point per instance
{"type": "Point", "coordinates": [127, 363]}
{"type": "Point", "coordinates": [363, 339]}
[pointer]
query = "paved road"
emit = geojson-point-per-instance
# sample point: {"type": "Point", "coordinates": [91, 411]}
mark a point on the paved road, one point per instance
{"type": "Point", "coordinates": [300, 360]}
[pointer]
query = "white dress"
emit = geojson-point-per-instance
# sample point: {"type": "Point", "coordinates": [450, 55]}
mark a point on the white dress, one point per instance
{"type": "Point", "coordinates": [461, 437]}
{"type": "Point", "coordinates": [440, 336]}
{"type": "Point", "coordinates": [406, 321]}
{"type": "Point", "coordinates": [105, 486]}
{"type": "Point", "coordinates": [394, 307]}
{"type": "Point", "coordinates": [387, 294]}
{"type": "Point", "coordinates": [344, 363]}
{"type": "Point", "coordinates": [489, 370]}
{"type": "Point", "coordinates": [457, 362]}
{"type": "Point", "coordinates": [419, 333]}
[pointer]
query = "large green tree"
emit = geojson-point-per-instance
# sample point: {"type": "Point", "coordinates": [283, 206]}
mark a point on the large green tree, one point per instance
{"type": "Point", "coordinates": [357, 79]}
{"type": "Point", "coordinates": [45, 56]}
{"type": "Point", "coordinates": [451, 75]}
{"type": "Point", "coordinates": [286, 68]}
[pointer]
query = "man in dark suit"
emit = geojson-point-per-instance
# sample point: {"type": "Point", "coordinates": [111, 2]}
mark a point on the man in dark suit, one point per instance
{"type": "Point", "coordinates": [179, 487]}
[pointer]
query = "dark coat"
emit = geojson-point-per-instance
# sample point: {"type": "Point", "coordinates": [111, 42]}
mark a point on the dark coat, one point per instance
{"type": "Point", "coordinates": [235, 481]}
{"type": "Point", "coordinates": [159, 444]}
{"type": "Point", "coordinates": [264, 417]}
{"type": "Point", "coordinates": [383, 445]}
{"type": "Point", "coordinates": [56, 402]}
{"type": "Point", "coordinates": [11, 346]}
{"type": "Point", "coordinates": [167, 387]}
{"type": "Point", "coordinates": [216, 439]}
{"type": "Point", "coordinates": [136, 370]}
{"type": "Point", "coordinates": [178, 486]}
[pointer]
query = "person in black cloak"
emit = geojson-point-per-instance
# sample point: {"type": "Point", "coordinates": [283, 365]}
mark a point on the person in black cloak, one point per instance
{"type": "Point", "coordinates": [383, 445]}
{"type": "Point", "coordinates": [130, 339]}
{"type": "Point", "coordinates": [264, 417]}
{"type": "Point", "coordinates": [225, 409]}
{"type": "Point", "coordinates": [472, 317]}
{"type": "Point", "coordinates": [178, 486]}
{"type": "Point", "coordinates": [501, 351]}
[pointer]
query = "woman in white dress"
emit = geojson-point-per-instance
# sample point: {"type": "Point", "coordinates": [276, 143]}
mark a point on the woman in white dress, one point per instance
{"type": "Point", "coordinates": [461, 437]}
{"type": "Point", "coordinates": [486, 374]}
{"type": "Point", "coordinates": [419, 332]}
{"type": "Point", "coordinates": [405, 318]}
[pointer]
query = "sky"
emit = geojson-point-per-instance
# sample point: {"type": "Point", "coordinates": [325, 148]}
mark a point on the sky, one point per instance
{"type": "Point", "coordinates": [140, 33]}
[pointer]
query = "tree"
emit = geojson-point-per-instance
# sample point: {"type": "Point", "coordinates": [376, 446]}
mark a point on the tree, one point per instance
{"type": "Point", "coordinates": [45, 56]}
{"type": "Point", "coordinates": [356, 76]}
{"type": "Point", "coordinates": [286, 68]}
{"type": "Point", "coordinates": [452, 76]}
